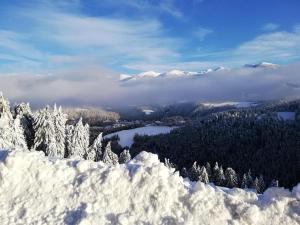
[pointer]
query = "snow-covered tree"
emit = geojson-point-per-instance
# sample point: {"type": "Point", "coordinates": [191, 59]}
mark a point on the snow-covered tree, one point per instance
{"type": "Point", "coordinates": [261, 184]}
{"type": "Point", "coordinates": [231, 178]}
{"type": "Point", "coordinates": [95, 150]}
{"type": "Point", "coordinates": [26, 120]}
{"type": "Point", "coordinates": [59, 120]}
{"type": "Point", "coordinates": [255, 185]}
{"type": "Point", "coordinates": [203, 175]}
{"type": "Point", "coordinates": [108, 156]}
{"type": "Point", "coordinates": [218, 174]}
{"type": "Point", "coordinates": [244, 181]}
{"type": "Point", "coordinates": [274, 183]}
{"type": "Point", "coordinates": [208, 170]}
{"type": "Point", "coordinates": [18, 138]}
{"type": "Point", "coordinates": [215, 172]}
{"type": "Point", "coordinates": [126, 157]}
{"type": "Point", "coordinates": [194, 172]}
{"type": "Point", "coordinates": [77, 139]}
{"type": "Point", "coordinates": [45, 132]}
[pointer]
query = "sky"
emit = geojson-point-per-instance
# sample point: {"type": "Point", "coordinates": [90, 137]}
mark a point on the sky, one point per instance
{"type": "Point", "coordinates": [79, 42]}
{"type": "Point", "coordinates": [129, 36]}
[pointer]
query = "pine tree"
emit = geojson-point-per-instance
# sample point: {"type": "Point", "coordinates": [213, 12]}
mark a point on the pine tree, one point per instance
{"type": "Point", "coordinates": [59, 119]}
{"type": "Point", "coordinates": [26, 119]}
{"type": "Point", "coordinates": [244, 181]}
{"type": "Point", "coordinates": [215, 172]}
{"type": "Point", "coordinates": [108, 156]}
{"type": "Point", "coordinates": [44, 132]}
{"type": "Point", "coordinates": [6, 124]}
{"type": "Point", "coordinates": [255, 185]}
{"type": "Point", "coordinates": [231, 179]}
{"type": "Point", "coordinates": [126, 157]}
{"type": "Point", "coordinates": [203, 175]}
{"type": "Point", "coordinates": [184, 172]}
{"type": "Point", "coordinates": [95, 150]}
{"type": "Point", "coordinates": [261, 184]}
{"type": "Point", "coordinates": [194, 172]}
{"type": "Point", "coordinates": [274, 183]}
{"type": "Point", "coordinates": [249, 179]}
{"type": "Point", "coordinates": [18, 138]}
{"type": "Point", "coordinates": [77, 140]}
{"type": "Point", "coordinates": [208, 170]}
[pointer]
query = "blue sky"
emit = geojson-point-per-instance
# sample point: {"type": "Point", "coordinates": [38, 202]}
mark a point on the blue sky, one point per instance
{"type": "Point", "coordinates": [46, 36]}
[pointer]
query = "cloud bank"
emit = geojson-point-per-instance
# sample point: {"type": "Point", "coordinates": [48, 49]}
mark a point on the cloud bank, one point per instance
{"type": "Point", "coordinates": [97, 87]}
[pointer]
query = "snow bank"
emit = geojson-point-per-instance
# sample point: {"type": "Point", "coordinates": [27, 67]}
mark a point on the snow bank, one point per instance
{"type": "Point", "coordinates": [35, 189]}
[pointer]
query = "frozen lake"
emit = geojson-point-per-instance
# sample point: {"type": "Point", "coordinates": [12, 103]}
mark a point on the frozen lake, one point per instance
{"type": "Point", "coordinates": [126, 136]}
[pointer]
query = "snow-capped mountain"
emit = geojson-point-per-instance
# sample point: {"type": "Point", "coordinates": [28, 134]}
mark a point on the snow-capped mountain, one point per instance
{"type": "Point", "coordinates": [180, 73]}
{"type": "Point", "coordinates": [262, 65]}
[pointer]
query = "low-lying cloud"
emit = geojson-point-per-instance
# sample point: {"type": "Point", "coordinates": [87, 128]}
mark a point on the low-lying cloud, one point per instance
{"type": "Point", "coordinates": [97, 87]}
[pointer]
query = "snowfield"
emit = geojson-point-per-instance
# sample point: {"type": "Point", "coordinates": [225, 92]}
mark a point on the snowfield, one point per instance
{"type": "Point", "coordinates": [126, 136]}
{"type": "Point", "coordinates": [36, 190]}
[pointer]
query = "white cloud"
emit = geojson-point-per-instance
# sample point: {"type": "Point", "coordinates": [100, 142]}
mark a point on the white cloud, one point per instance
{"type": "Point", "coordinates": [270, 27]}
{"type": "Point", "coordinates": [202, 32]}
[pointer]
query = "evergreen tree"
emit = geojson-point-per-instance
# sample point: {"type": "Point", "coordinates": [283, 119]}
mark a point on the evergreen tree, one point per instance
{"type": "Point", "coordinates": [59, 119]}
{"type": "Point", "coordinates": [231, 179]}
{"type": "Point", "coordinates": [261, 184]}
{"type": "Point", "coordinates": [78, 140]}
{"type": "Point", "coordinates": [203, 175]}
{"type": "Point", "coordinates": [208, 170]}
{"type": "Point", "coordinates": [194, 172]}
{"type": "Point", "coordinates": [108, 156]}
{"type": "Point", "coordinates": [255, 185]}
{"type": "Point", "coordinates": [219, 177]}
{"type": "Point", "coordinates": [249, 179]}
{"type": "Point", "coordinates": [274, 183]}
{"type": "Point", "coordinates": [215, 172]}
{"type": "Point", "coordinates": [44, 132]}
{"type": "Point", "coordinates": [18, 138]}
{"type": "Point", "coordinates": [244, 181]}
{"type": "Point", "coordinates": [184, 172]}
{"type": "Point", "coordinates": [95, 150]}
{"type": "Point", "coordinates": [26, 120]}
{"type": "Point", "coordinates": [6, 124]}
{"type": "Point", "coordinates": [126, 157]}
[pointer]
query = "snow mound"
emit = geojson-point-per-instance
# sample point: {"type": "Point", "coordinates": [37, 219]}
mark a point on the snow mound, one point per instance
{"type": "Point", "coordinates": [37, 190]}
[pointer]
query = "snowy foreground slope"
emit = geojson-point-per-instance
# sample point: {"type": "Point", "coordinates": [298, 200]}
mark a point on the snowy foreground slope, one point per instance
{"type": "Point", "coordinates": [35, 189]}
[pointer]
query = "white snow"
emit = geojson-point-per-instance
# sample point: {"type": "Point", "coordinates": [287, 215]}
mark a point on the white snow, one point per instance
{"type": "Point", "coordinates": [148, 111]}
{"type": "Point", "coordinates": [236, 104]}
{"type": "Point", "coordinates": [285, 116]}
{"type": "Point", "coordinates": [126, 136]}
{"type": "Point", "coordinates": [46, 191]}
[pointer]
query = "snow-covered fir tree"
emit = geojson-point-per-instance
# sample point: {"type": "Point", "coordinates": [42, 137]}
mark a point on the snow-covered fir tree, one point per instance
{"type": "Point", "coordinates": [244, 181]}
{"type": "Point", "coordinates": [255, 185]}
{"type": "Point", "coordinates": [126, 157]}
{"type": "Point", "coordinates": [77, 139]}
{"type": "Point", "coordinates": [261, 184]}
{"type": "Point", "coordinates": [108, 156]}
{"type": "Point", "coordinates": [231, 179]}
{"type": "Point", "coordinates": [59, 120]}
{"type": "Point", "coordinates": [274, 183]}
{"type": "Point", "coordinates": [18, 138]}
{"type": "Point", "coordinates": [26, 119]}
{"type": "Point", "coordinates": [194, 172]}
{"type": "Point", "coordinates": [6, 122]}
{"type": "Point", "coordinates": [218, 174]}
{"type": "Point", "coordinates": [45, 132]}
{"type": "Point", "coordinates": [95, 150]}
{"type": "Point", "coordinates": [203, 175]}
{"type": "Point", "coordinates": [215, 172]}
{"type": "Point", "coordinates": [208, 170]}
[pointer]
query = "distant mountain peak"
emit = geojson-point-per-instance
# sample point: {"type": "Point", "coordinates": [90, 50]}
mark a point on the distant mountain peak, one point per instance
{"type": "Point", "coordinates": [263, 65]}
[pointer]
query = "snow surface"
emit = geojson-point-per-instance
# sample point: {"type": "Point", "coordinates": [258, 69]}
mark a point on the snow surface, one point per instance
{"type": "Point", "coordinates": [37, 190]}
{"type": "Point", "coordinates": [285, 116]}
{"type": "Point", "coordinates": [126, 136]}
{"type": "Point", "coordinates": [236, 104]}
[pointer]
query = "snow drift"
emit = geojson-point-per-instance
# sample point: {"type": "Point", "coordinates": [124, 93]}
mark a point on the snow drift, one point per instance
{"type": "Point", "coordinates": [35, 189]}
